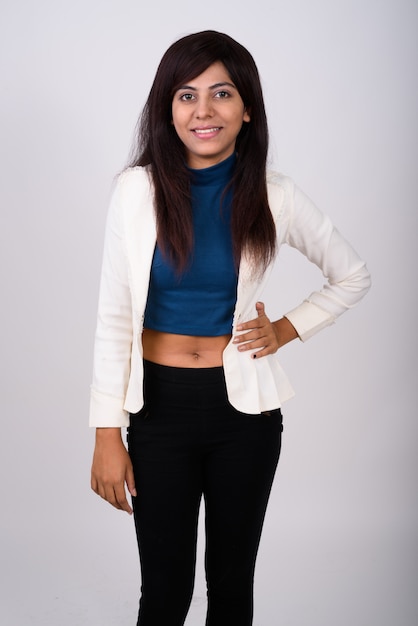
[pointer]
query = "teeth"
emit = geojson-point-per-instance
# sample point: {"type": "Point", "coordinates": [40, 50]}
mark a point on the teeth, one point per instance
{"type": "Point", "coordinates": [205, 131]}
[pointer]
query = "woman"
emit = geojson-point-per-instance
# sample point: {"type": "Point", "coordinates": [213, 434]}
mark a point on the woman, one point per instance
{"type": "Point", "coordinates": [185, 354]}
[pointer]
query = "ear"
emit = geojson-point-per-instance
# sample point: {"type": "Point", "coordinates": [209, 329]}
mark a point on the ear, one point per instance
{"type": "Point", "coordinates": [246, 117]}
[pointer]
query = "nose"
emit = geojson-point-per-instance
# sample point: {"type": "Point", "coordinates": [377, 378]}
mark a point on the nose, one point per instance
{"type": "Point", "coordinates": [204, 108]}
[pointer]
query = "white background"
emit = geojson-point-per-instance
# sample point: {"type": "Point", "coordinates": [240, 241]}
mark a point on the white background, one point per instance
{"type": "Point", "coordinates": [339, 76]}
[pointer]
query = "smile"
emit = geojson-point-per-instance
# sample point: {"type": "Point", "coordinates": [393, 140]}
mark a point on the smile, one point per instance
{"type": "Point", "coordinates": [206, 131]}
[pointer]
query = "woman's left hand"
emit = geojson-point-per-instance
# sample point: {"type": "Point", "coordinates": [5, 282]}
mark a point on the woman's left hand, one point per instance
{"type": "Point", "coordinates": [264, 336]}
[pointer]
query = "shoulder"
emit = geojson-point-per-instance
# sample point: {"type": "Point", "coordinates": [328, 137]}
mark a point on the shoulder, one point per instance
{"type": "Point", "coordinates": [132, 188]}
{"type": "Point", "coordinates": [276, 181]}
{"type": "Point", "coordinates": [134, 178]}
{"type": "Point", "coordinates": [132, 195]}
{"type": "Point", "coordinates": [280, 189]}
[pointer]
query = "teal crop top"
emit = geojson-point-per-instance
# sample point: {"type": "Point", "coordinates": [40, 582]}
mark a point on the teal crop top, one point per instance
{"type": "Point", "coordinates": [200, 301]}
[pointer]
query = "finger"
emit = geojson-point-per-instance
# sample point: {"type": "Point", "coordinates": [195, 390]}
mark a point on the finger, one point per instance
{"type": "Point", "coordinates": [256, 344]}
{"type": "Point", "coordinates": [253, 339]}
{"type": "Point", "coordinates": [106, 492]}
{"type": "Point", "coordinates": [256, 322]}
{"type": "Point", "coordinates": [111, 497]}
{"type": "Point", "coordinates": [262, 341]}
{"type": "Point", "coordinates": [93, 484]}
{"type": "Point", "coordinates": [259, 307]}
{"type": "Point", "coordinates": [130, 481]}
{"type": "Point", "coordinates": [245, 337]}
{"type": "Point", "coordinates": [101, 490]}
{"type": "Point", "coordinates": [263, 331]}
{"type": "Point", "coordinates": [122, 502]}
{"type": "Point", "coordinates": [255, 330]}
{"type": "Point", "coordinates": [263, 352]}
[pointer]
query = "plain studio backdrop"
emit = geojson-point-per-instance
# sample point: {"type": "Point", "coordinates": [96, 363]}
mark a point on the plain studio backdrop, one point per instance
{"type": "Point", "coordinates": [339, 77]}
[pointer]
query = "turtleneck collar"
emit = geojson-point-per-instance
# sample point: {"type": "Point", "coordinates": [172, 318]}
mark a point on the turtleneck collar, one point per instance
{"type": "Point", "coordinates": [220, 173]}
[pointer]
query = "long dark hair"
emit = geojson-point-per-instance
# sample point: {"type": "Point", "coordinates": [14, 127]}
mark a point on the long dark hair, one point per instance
{"type": "Point", "coordinates": [159, 147]}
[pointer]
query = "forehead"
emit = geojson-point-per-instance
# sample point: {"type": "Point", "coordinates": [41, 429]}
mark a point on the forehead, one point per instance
{"type": "Point", "coordinates": [213, 75]}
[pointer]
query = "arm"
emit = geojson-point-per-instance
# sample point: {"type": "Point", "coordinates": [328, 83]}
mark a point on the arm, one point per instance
{"type": "Point", "coordinates": [112, 467]}
{"type": "Point", "coordinates": [114, 331]}
{"type": "Point", "coordinates": [312, 233]}
{"type": "Point", "coordinates": [348, 280]}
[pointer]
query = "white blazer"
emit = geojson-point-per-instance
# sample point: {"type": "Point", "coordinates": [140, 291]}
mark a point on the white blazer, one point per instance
{"type": "Point", "coordinates": [253, 385]}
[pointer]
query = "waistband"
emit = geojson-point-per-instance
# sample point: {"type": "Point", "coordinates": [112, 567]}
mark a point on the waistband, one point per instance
{"type": "Point", "coordinates": [189, 375]}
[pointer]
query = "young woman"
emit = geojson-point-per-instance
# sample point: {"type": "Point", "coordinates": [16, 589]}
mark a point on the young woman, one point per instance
{"type": "Point", "coordinates": [185, 354]}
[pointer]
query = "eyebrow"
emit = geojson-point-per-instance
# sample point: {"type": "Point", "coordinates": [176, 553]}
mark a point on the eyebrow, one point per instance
{"type": "Point", "coordinates": [211, 88]}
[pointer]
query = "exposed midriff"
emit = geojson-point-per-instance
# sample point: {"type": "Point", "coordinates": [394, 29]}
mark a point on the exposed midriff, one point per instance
{"type": "Point", "coordinates": [183, 350]}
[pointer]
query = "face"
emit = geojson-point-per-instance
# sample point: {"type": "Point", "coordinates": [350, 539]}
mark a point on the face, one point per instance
{"type": "Point", "coordinates": [208, 114]}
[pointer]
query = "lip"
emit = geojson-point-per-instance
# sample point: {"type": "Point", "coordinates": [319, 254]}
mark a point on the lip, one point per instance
{"type": "Point", "coordinates": [206, 132]}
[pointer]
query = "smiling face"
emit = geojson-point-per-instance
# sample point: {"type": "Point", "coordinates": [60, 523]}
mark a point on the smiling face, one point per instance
{"type": "Point", "coordinates": [208, 114]}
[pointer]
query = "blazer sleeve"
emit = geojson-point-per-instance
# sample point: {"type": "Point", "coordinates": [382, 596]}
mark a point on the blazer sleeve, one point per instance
{"type": "Point", "coordinates": [114, 331]}
{"type": "Point", "coordinates": [311, 232]}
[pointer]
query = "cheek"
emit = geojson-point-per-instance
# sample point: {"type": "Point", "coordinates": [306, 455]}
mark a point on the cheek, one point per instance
{"type": "Point", "coordinates": [178, 130]}
{"type": "Point", "coordinates": [175, 115]}
{"type": "Point", "coordinates": [178, 120]}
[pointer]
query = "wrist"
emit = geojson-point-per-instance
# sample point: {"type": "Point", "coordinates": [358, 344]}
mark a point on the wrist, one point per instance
{"type": "Point", "coordinates": [108, 434]}
{"type": "Point", "coordinates": [285, 331]}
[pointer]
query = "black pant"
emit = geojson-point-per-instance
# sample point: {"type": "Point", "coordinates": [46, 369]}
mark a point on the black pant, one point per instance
{"type": "Point", "coordinates": [186, 442]}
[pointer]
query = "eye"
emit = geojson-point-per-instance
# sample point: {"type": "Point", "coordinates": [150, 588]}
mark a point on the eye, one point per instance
{"type": "Point", "coordinates": [222, 94]}
{"type": "Point", "coordinates": [186, 97]}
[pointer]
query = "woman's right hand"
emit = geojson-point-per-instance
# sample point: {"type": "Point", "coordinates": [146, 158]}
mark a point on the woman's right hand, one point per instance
{"type": "Point", "coordinates": [112, 468]}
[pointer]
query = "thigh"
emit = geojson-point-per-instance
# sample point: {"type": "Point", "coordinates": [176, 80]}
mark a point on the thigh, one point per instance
{"type": "Point", "coordinates": [167, 467]}
{"type": "Point", "coordinates": [167, 474]}
{"type": "Point", "coordinates": [239, 472]}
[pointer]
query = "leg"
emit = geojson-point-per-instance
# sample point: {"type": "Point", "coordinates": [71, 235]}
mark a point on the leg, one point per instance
{"type": "Point", "coordinates": [239, 472]}
{"type": "Point", "coordinates": [168, 479]}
